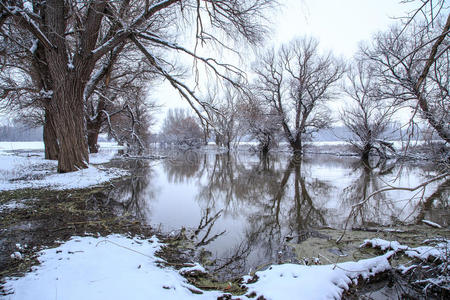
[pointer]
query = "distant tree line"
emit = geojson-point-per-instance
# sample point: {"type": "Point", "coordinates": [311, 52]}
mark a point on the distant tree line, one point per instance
{"type": "Point", "coordinates": [20, 133]}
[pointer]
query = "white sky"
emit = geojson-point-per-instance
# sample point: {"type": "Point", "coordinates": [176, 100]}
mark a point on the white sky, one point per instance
{"type": "Point", "coordinates": [340, 25]}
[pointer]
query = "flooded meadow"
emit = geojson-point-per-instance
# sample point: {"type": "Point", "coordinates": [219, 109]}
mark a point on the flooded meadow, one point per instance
{"type": "Point", "coordinates": [232, 213]}
{"type": "Point", "coordinates": [241, 212]}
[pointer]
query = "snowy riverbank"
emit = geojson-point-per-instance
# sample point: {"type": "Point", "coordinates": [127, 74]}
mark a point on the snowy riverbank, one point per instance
{"type": "Point", "coordinates": [117, 267]}
{"type": "Point", "coordinates": [20, 169]}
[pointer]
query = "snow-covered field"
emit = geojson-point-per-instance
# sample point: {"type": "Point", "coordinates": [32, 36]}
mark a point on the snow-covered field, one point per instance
{"type": "Point", "coordinates": [118, 267]}
{"type": "Point", "coordinates": [10, 146]}
{"type": "Point", "coordinates": [29, 169]}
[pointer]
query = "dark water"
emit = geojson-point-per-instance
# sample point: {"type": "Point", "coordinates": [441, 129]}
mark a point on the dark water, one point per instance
{"type": "Point", "coordinates": [241, 210]}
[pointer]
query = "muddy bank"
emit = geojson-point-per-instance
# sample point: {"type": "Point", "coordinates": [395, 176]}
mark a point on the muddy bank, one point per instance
{"type": "Point", "coordinates": [35, 219]}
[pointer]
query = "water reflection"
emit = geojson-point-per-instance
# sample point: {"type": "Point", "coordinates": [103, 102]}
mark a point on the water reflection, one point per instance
{"type": "Point", "coordinates": [436, 207]}
{"type": "Point", "coordinates": [242, 210]}
{"type": "Point", "coordinates": [133, 195]}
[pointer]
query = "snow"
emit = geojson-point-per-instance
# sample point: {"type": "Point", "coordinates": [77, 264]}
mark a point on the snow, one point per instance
{"type": "Point", "coordinates": [432, 224]}
{"type": "Point", "coordinates": [383, 244]}
{"type": "Point", "coordinates": [17, 255]}
{"type": "Point", "coordinates": [13, 146]}
{"type": "Point", "coordinates": [46, 94]}
{"type": "Point", "coordinates": [404, 269]}
{"type": "Point", "coordinates": [28, 6]}
{"type": "Point", "coordinates": [114, 267]}
{"type": "Point", "coordinates": [289, 281]}
{"type": "Point", "coordinates": [11, 205]}
{"type": "Point", "coordinates": [440, 250]}
{"type": "Point", "coordinates": [34, 46]}
{"type": "Point", "coordinates": [101, 157]}
{"type": "Point", "coordinates": [119, 267]}
{"type": "Point", "coordinates": [19, 171]}
{"type": "Point", "coordinates": [197, 268]}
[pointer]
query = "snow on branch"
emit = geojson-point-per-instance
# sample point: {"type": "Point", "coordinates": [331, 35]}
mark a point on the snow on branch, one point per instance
{"type": "Point", "coordinates": [30, 23]}
{"type": "Point", "coordinates": [125, 33]}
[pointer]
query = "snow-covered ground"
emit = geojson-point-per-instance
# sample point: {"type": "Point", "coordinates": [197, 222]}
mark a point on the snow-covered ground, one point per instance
{"type": "Point", "coordinates": [118, 267]}
{"type": "Point", "coordinates": [439, 251]}
{"type": "Point", "coordinates": [292, 281]}
{"type": "Point", "coordinates": [29, 169]}
{"type": "Point", "coordinates": [114, 267]}
{"type": "Point", "coordinates": [10, 146]}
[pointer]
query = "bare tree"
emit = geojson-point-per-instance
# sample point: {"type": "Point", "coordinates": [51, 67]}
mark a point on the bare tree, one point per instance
{"type": "Point", "coordinates": [131, 119]}
{"type": "Point", "coordinates": [297, 82]}
{"type": "Point", "coordinates": [413, 67]}
{"type": "Point", "coordinates": [70, 37]}
{"type": "Point", "coordinates": [366, 116]}
{"type": "Point", "coordinates": [262, 122]}
{"type": "Point", "coordinates": [117, 88]}
{"type": "Point", "coordinates": [227, 123]}
{"type": "Point", "coordinates": [181, 128]}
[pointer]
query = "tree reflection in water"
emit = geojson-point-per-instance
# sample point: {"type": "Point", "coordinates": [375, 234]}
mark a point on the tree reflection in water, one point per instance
{"type": "Point", "coordinates": [387, 208]}
{"type": "Point", "coordinates": [250, 209]}
{"type": "Point", "coordinates": [366, 180]}
{"type": "Point", "coordinates": [274, 203]}
{"type": "Point", "coordinates": [133, 195]}
{"type": "Point", "coordinates": [436, 207]}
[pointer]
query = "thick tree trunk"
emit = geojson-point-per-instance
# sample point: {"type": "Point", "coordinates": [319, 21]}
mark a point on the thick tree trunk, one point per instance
{"type": "Point", "coordinates": [265, 149]}
{"type": "Point", "coordinates": [441, 127]}
{"type": "Point", "coordinates": [50, 139]}
{"type": "Point", "coordinates": [69, 123]}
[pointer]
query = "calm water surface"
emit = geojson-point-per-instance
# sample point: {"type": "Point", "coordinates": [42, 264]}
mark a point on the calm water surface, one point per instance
{"type": "Point", "coordinates": [240, 209]}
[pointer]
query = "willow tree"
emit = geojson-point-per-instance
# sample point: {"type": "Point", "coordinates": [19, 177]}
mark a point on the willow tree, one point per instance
{"type": "Point", "coordinates": [297, 82]}
{"type": "Point", "coordinates": [73, 36]}
{"type": "Point", "coordinates": [412, 67]}
{"type": "Point", "coordinates": [366, 115]}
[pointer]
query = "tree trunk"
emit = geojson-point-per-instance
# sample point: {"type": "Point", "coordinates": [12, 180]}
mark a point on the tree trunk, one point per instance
{"type": "Point", "coordinates": [366, 152]}
{"type": "Point", "coordinates": [297, 145]}
{"type": "Point", "coordinates": [50, 140]}
{"type": "Point", "coordinates": [441, 127]}
{"type": "Point", "coordinates": [69, 123]}
{"type": "Point", "coordinates": [265, 150]}
{"type": "Point", "coordinates": [93, 130]}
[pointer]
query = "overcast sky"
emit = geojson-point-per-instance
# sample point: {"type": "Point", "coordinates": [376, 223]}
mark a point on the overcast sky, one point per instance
{"type": "Point", "coordinates": [340, 25]}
